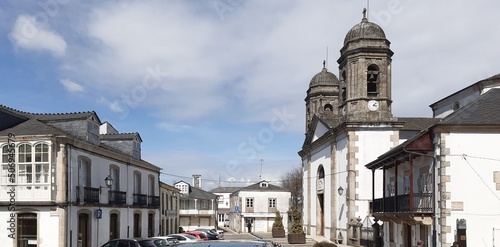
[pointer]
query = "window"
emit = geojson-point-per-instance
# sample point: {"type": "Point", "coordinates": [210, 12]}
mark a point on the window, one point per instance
{"type": "Point", "coordinates": [137, 183]}
{"type": "Point", "coordinates": [272, 202]}
{"type": "Point", "coordinates": [204, 204]}
{"type": "Point", "coordinates": [406, 184]}
{"type": "Point", "coordinates": [25, 170]}
{"type": "Point", "coordinates": [371, 78]}
{"type": "Point", "coordinates": [249, 203]}
{"type": "Point", "coordinates": [84, 172]}
{"type": "Point", "coordinates": [184, 204]}
{"type": "Point", "coordinates": [29, 170]}
{"type": "Point", "coordinates": [328, 107]}
{"type": "Point", "coordinates": [392, 187]}
{"type": "Point", "coordinates": [151, 189]}
{"type": "Point", "coordinates": [114, 171]}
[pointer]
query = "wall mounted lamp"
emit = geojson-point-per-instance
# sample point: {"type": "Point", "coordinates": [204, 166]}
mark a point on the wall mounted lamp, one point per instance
{"type": "Point", "coordinates": [340, 190]}
{"type": "Point", "coordinates": [108, 181]}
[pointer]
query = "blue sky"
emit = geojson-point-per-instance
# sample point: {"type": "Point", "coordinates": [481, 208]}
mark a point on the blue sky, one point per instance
{"type": "Point", "coordinates": [214, 86]}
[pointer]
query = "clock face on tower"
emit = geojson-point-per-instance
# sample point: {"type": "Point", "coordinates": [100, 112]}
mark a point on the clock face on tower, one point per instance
{"type": "Point", "coordinates": [373, 105]}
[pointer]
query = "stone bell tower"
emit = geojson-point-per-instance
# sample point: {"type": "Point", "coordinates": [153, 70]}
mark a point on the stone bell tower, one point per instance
{"type": "Point", "coordinates": [365, 74]}
{"type": "Point", "coordinates": [322, 98]}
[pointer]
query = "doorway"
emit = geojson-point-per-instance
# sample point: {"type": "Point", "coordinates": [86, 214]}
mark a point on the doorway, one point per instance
{"type": "Point", "coordinates": [84, 230]}
{"type": "Point", "coordinates": [27, 230]}
{"type": "Point", "coordinates": [114, 231]}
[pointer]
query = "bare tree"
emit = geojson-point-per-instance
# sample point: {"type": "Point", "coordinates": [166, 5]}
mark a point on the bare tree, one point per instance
{"type": "Point", "coordinates": [292, 181]}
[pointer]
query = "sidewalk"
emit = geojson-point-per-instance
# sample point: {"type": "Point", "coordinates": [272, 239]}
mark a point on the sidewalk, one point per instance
{"type": "Point", "coordinates": [310, 240]}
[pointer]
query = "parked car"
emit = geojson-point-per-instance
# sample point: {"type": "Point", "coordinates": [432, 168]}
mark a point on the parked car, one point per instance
{"type": "Point", "coordinates": [169, 240]}
{"type": "Point", "coordinates": [184, 238]}
{"type": "Point", "coordinates": [226, 223]}
{"type": "Point", "coordinates": [228, 243]}
{"type": "Point", "coordinates": [122, 243]}
{"type": "Point", "coordinates": [158, 241]}
{"type": "Point", "coordinates": [200, 235]}
{"type": "Point", "coordinates": [152, 243]}
{"type": "Point", "coordinates": [212, 234]}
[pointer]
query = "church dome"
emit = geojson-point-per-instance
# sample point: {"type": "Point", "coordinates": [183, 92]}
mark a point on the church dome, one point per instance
{"type": "Point", "coordinates": [364, 30]}
{"type": "Point", "coordinates": [324, 78]}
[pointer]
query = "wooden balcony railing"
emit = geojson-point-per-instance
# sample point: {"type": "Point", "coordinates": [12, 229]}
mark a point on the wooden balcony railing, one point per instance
{"type": "Point", "coordinates": [117, 197]}
{"type": "Point", "coordinates": [422, 203]}
{"type": "Point", "coordinates": [88, 195]}
{"type": "Point", "coordinates": [154, 201]}
{"type": "Point", "coordinates": [140, 199]}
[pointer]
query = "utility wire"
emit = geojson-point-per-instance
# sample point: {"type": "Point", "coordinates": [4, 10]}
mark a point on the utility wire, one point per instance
{"type": "Point", "coordinates": [464, 156]}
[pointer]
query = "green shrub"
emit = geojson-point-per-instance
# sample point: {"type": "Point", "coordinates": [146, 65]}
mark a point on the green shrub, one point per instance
{"type": "Point", "coordinates": [296, 223]}
{"type": "Point", "coordinates": [278, 221]}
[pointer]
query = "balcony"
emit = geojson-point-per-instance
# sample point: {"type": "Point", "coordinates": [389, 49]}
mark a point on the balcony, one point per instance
{"type": "Point", "coordinates": [154, 201]}
{"type": "Point", "coordinates": [87, 195]}
{"type": "Point", "coordinates": [419, 203]}
{"type": "Point", "coordinates": [140, 199]}
{"type": "Point", "coordinates": [117, 197]}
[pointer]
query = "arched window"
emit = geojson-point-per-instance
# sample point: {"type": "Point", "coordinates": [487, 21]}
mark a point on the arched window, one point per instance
{"type": "Point", "coordinates": [371, 80]}
{"type": "Point", "coordinates": [328, 108]}
{"type": "Point", "coordinates": [114, 172]}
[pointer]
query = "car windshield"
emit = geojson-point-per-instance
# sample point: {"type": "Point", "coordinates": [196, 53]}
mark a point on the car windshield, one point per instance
{"type": "Point", "coordinates": [160, 242]}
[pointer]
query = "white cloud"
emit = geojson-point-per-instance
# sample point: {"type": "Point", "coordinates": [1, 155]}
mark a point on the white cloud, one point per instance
{"type": "Point", "coordinates": [113, 105]}
{"type": "Point", "coordinates": [28, 34]}
{"type": "Point", "coordinates": [71, 86]}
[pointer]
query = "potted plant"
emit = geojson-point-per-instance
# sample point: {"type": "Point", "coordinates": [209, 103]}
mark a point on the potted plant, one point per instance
{"type": "Point", "coordinates": [296, 234]}
{"type": "Point", "coordinates": [278, 230]}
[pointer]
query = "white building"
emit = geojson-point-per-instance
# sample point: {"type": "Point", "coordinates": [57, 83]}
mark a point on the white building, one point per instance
{"type": "Point", "coordinates": [224, 208]}
{"type": "Point", "coordinates": [169, 209]}
{"type": "Point", "coordinates": [443, 185]}
{"type": "Point", "coordinates": [257, 204]}
{"type": "Point", "coordinates": [198, 208]}
{"type": "Point", "coordinates": [73, 181]}
{"type": "Point", "coordinates": [349, 123]}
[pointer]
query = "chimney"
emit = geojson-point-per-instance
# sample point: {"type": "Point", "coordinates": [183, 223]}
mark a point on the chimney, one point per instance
{"type": "Point", "coordinates": [197, 181]}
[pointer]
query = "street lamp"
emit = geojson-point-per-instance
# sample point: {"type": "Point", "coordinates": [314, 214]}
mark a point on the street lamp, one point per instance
{"type": "Point", "coordinates": [108, 181]}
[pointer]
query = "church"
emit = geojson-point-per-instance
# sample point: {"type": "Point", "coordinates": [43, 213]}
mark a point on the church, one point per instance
{"type": "Point", "coordinates": [362, 166]}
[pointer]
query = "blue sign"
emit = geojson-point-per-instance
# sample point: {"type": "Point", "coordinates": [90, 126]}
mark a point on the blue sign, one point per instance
{"type": "Point", "coordinates": [98, 213]}
{"type": "Point", "coordinates": [236, 209]}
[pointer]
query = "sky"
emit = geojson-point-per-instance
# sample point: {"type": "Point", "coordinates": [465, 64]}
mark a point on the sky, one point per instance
{"type": "Point", "coordinates": [217, 87]}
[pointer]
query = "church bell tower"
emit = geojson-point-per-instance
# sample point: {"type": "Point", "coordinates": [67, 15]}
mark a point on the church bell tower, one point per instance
{"type": "Point", "coordinates": [365, 74]}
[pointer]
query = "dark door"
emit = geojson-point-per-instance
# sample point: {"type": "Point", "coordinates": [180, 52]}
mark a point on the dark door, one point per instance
{"type": "Point", "coordinates": [114, 231]}
{"type": "Point", "coordinates": [83, 230]}
{"type": "Point", "coordinates": [27, 230]}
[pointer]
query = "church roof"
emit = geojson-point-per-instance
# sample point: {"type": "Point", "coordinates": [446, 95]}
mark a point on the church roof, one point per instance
{"type": "Point", "coordinates": [482, 112]}
{"type": "Point", "coordinates": [324, 78]}
{"type": "Point", "coordinates": [364, 30]}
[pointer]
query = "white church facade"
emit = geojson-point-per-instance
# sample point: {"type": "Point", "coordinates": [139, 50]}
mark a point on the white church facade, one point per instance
{"type": "Point", "coordinates": [363, 165]}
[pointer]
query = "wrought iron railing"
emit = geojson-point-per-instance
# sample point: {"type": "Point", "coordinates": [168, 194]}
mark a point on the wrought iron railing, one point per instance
{"type": "Point", "coordinates": [117, 197]}
{"type": "Point", "coordinates": [154, 201]}
{"type": "Point", "coordinates": [88, 194]}
{"type": "Point", "coordinates": [140, 199]}
{"type": "Point", "coordinates": [422, 203]}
